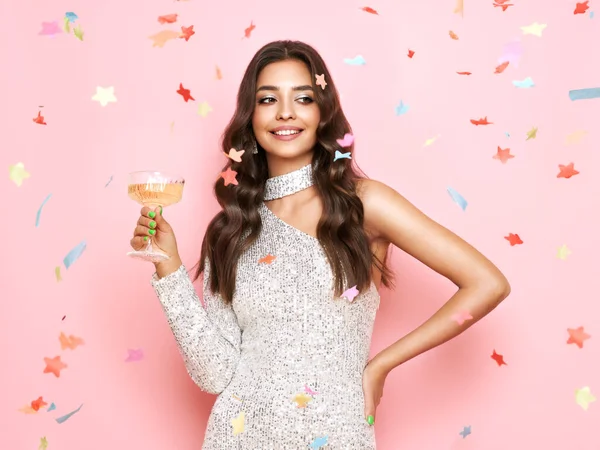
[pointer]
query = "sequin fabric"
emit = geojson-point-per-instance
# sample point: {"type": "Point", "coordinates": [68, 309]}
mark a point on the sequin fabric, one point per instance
{"type": "Point", "coordinates": [286, 357]}
{"type": "Point", "coordinates": [289, 183]}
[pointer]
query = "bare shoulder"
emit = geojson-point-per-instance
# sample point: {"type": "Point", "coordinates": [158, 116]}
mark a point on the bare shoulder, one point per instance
{"type": "Point", "coordinates": [374, 196]}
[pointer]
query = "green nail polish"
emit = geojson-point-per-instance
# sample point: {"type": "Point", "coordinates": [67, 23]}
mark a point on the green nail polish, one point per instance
{"type": "Point", "coordinates": [152, 224]}
{"type": "Point", "coordinates": [145, 238]}
{"type": "Point", "coordinates": [371, 420]}
{"type": "Point", "coordinates": [152, 232]}
{"type": "Point", "coordinates": [161, 210]}
{"type": "Point", "coordinates": [152, 214]}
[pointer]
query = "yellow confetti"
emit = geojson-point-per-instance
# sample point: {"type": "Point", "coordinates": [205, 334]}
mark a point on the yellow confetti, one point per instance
{"type": "Point", "coordinates": [532, 134]}
{"type": "Point", "coordinates": [105, 95]}
{"type": "Point", "coordinates": [203, 109]}
{"type": "Point", "coordinates": [172, 127]}
{"type": "Point", "coordinates": [535, 29]}
{"type": "Point", "coordinates": [43, 443]}
{"type": "Point", "coordinates": [57, 273]}
{"type": "Point", "coordinates": [27, 409]}
{"type": "Point", "coordinates": [430, 141]}
{"type": "Point", "coordinates": [301, 400]}
{"type": "Point", "coordinates": [575, 137]}
{"type": "Point", "coordinates": [17, 173]}
{"type": "Point", "coordinates": [238, 424]}
{"type": "Point", "coordinates": [459, 8]}
{"type": "Point", "coordinates": [583, 397]}
{"type": "Point", "coordinates": [563, 252]}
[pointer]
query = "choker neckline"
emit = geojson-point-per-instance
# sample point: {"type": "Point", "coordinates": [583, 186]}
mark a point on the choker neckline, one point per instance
{"type": "Point", "coordinates": [288, 183]}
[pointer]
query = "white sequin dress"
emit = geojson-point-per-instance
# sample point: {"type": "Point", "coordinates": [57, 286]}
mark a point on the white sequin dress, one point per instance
{"type": "Point", "coordinates": [286, 358]}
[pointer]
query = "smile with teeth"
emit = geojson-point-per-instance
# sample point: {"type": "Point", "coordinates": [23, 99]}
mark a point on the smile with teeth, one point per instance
{"type": "Point", "coordinates": [286, 132]}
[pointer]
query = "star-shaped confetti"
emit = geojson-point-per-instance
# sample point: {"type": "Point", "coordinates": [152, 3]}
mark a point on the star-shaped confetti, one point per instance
{"type": "Point", "coordinates": [563, 252]}
{"type": "Point", "coordinates": [581, 8]}
{"type": "Point", "coordinates": [17, 173]}
{"type": "Point", "coordinates": [40, 119]}
{"type": "Point", "coordinates": [566, 171]}
{"type": "Point", "coordinates": [535, 29]}
{"type": "Point", "coordinates": [430, 141]}
{"type": "Point", "coordinates": [513, 239]}
{"type": "Point", "coordinates": [187, 33]}
{"type": "Point", "coordinates": [350, 294]}
{"type": "Point", "coordinates": [229, 177]}
{"type": "Point", "coordinates": [319, 442]}
{"type": "Point", "coordinates": [54, 366]}
{"type": "Point", "coordinates": [27, 409]}
{"type": "Point", "coordinates": [301, 400]}
{"type": "Point", "coordinates": [498, 358]}
{"type": "Point", "coordinates": [503, 155]}
{"type": "Point", "coordinates": [532, 134]}
{"type": "Point", "coordinates": [235, 155]}
{"type": "Point", "coordinates": [575, 137]}
{"type": "Point", "coordinates": [203, 109]}
{"type": "Point", "coordinates": [185, 93]}
{"type": "Point", "coordinates": [43, 443]}
{"type": "Point", "coordinates": [238, 424]}
{"type": "Point", "coordinates": [105, 95]}
{"type": "Point", "coordinates": [465, 431]}
{"type": "Point", "coordinates": [321, 81]}
{"type": "Point", "coordinates": [584, 396]}
{"type": "Point", "coordinates": [577, 336]}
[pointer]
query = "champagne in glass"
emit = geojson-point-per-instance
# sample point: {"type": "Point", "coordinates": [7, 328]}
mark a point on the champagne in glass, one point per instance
{"type": "Point", "coordinates": [153, 189]}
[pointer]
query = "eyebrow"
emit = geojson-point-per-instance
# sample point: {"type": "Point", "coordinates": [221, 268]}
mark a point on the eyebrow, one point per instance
{"type": "Point", "coordinates": [305, 87]}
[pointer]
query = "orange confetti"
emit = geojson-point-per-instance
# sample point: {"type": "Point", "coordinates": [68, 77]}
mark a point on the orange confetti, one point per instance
{"type": "Point", "coordinates": [369, 10]}
{"type": "Point", "coordinates": [566, 171]}
{"type": "Point", "coordinates": [229, 177]}
{"type": "Point", "coordinates": [503, 155]}
{"type": "Point", "coordinates": [248, 31]}
{"type": "Point", "coordinates": [187, 32]}
{"type": "Point", "coordinates": [577, 336]}
{"type": "Point", "coordinates": [410, 53]}
{"type": "Point", "coordinates": [37, 404]}
{"type": "Point", "coordinates": [235, 155]}
{"type": "Point", "coordinates": [483, 121]}
{"type": "Point", "coordinates": [40, 119]}
{"type": "Point", "coordinates": [70, 342]}
{"type": "Point", "coordinates": [267, 259]}
{"type": "Point", "coordinates": [169, 18]}
{"type": "Point", "coordinates": [513, 239]}
{"type": "Point", "coordinates": [54, 366]}
{"type": "Point", "coordinates": [501, 67]}
{"type": "Point", "coordinates": [219, 75]}
{"type": "Point", "coordinates": [464, 73]}
{"type": "Point", "coordinates": [498, 358]}
{"type": "Point", "coordinates": [453, 35]}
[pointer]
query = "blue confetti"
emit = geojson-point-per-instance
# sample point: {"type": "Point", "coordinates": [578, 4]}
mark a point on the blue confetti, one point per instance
{"type": "Point", "coordinates": [52, 407]}
{"type": "Point", "coordinates": [507, 135]}
{"type": "Point", "coordinates": [356, 61]}
{"type": "Point", "coordinates": [39, 211]}
{"type": "Point", "coordinates": [67, 416]}
{"type": "Point", "coordinates": [458, 199]}
{"type": "Point", "coordinates": [526, 83]}
{"type": "Point", "coordinates": [74, 254]}
{"type": "Point", "coordinates": [318, 442]}
{"type": "Point", "coordinates": [71, 16]}
{"type": "Point", "coordinates": [582, 94]}
{"type": "Point", "coordinates": [465, 432]}
{"type": "Point", "coordinates": [591, 14]}
{"type": "Point", "coordinates": [401, 108]}
{"type": "Point", "coordinates": [340, 155]}
{"type": "Point", "coordinates": [109, 180]}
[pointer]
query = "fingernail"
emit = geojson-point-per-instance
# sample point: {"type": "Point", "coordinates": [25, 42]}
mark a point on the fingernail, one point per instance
{"type": "Point", "coordinates": [160, 210]}
{"type": "Point", "coordinates": [371, 420]}
{"type": "Point", "coordinates": [152, 224]}
{"type": "Point", "coordinates": [152, 214]}
{"type": "Point", "coordinates": [145, 238]}
{"type": "Point", "coordinates": [152, 232]}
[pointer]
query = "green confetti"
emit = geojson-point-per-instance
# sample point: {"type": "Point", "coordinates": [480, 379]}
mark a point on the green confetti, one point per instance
{"type": "Point", "coordinates": [67, 27]}
{"type": "Point", "coordinates": [78, 32]}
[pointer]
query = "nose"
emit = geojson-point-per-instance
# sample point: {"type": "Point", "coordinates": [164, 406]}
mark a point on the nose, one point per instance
{"type": "Point", "coordinates": [286, 110]}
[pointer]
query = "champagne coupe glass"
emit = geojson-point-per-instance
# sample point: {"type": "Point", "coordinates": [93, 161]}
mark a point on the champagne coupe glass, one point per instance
{"type": "Point", "coordinates": [152, 189]}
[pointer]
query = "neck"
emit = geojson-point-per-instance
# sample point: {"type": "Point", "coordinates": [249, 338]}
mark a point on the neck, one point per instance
{"type": "Point", "coordinates": [288, 183]}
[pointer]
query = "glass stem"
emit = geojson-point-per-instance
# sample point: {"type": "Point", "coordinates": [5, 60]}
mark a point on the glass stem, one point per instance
{"type": "Point", "coordinates": [153, 207]}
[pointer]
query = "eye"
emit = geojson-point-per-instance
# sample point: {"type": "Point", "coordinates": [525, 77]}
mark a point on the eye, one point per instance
{"type": "Point", "coordinates": [306, 100]}
{"type": "Point", "coordinates": [266, 100]}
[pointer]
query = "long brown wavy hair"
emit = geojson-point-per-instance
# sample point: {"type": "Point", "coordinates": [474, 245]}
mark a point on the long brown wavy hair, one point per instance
{"type": "Point", "coordinates": [340, 229]}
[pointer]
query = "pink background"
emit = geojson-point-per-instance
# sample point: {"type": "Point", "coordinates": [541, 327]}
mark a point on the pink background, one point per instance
{"type": "Point", "coordinates": [107, 298]}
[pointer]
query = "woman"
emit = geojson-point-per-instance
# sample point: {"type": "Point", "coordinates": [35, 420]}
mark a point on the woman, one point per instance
{"type": "Point", "coordinates": [292, 266]}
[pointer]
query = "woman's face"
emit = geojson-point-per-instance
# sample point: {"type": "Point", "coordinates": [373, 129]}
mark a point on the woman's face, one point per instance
{"type": "Point", "coordinates": [286, 116]}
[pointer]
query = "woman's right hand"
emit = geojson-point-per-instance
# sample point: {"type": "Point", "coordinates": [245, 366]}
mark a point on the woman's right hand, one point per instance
{"type": "Point", "coordinates": [152, 225]}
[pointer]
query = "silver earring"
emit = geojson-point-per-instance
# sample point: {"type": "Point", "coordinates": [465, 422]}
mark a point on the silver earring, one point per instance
{"type": "Point", "coordinates": [254, 147]}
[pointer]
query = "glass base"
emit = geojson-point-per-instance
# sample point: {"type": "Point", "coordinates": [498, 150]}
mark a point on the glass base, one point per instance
{"type": "Point", "coordinates": [146, 255]}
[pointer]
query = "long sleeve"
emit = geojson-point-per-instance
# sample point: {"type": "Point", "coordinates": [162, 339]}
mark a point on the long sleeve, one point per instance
{"type": "Point", "coordinates": [208, 337]}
